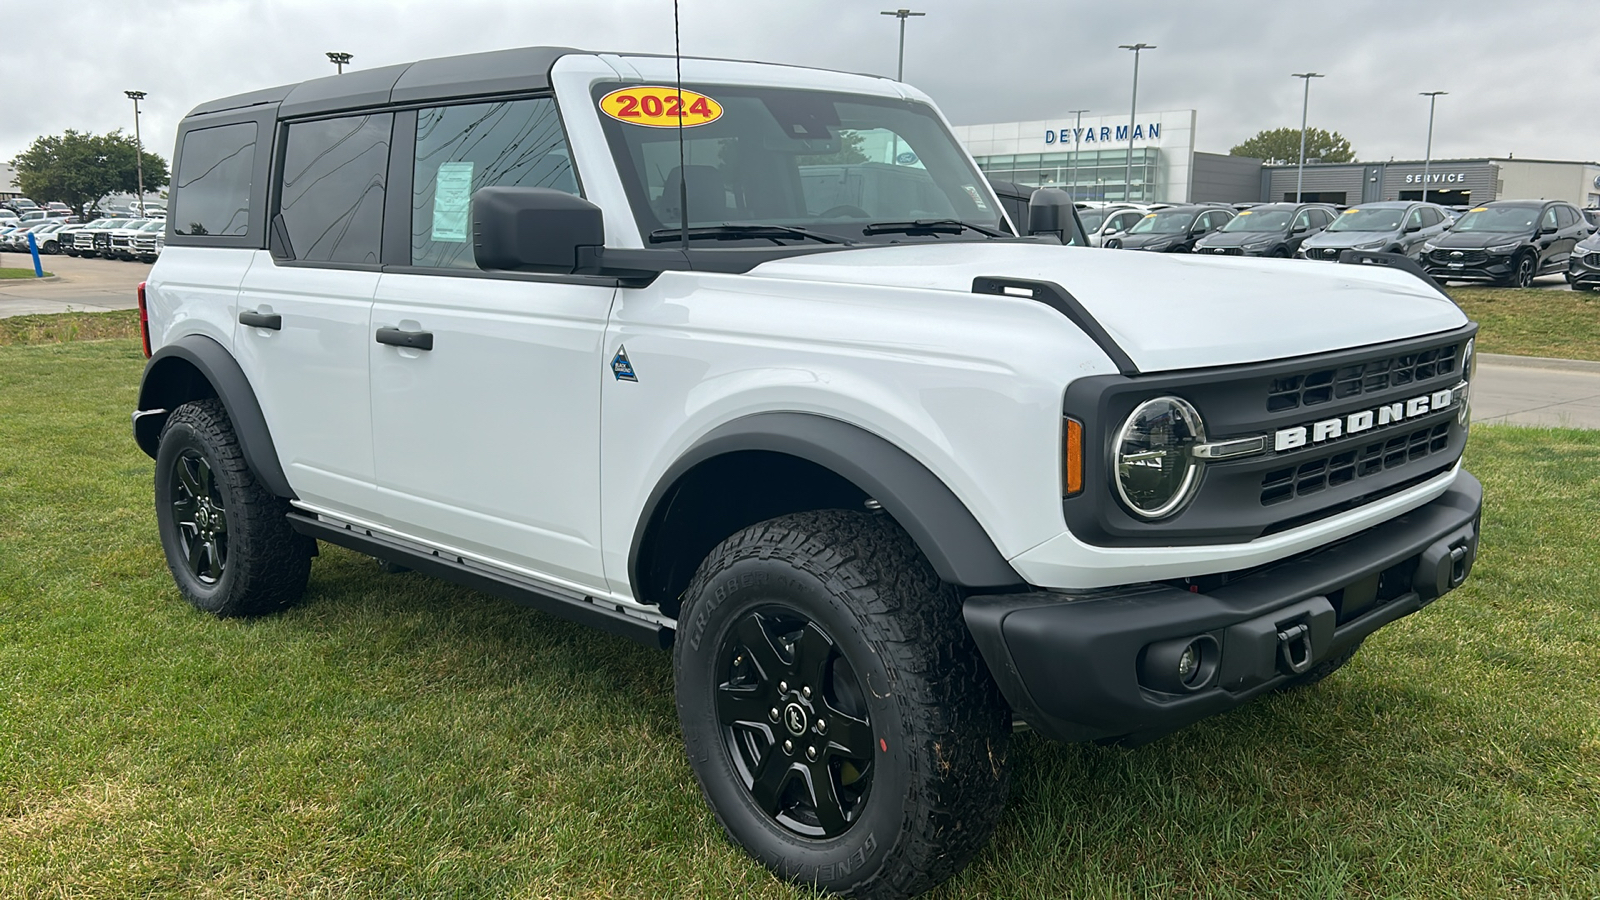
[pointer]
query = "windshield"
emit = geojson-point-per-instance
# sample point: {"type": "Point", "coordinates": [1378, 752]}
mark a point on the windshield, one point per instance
{"type": "Point", "coordinates": [823, 162]}
{"type": "Point", "coordinates": [1501, 219]}
{"type": "Point", "coordinates": [1260, 220]}
{"type": "Point", "coordinates": [1164, 223]}
{"type": "Point", "coordinates": [1387, 219]}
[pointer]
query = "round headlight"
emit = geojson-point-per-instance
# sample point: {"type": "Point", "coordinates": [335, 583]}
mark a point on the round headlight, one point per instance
{"type": "Point", "coordinates": [1156, 471]}
{"type": "Point", "coordinates": [1469, 367]}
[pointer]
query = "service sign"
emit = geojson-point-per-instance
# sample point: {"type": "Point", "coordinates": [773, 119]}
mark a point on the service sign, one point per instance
{"type": "Point", "coordinates": [656, 106]}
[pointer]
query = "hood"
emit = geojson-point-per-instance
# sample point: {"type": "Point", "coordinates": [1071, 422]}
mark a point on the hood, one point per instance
{"type": "Point", "coordinates": [1589, 244]}
{"type": "Point", "coordinates": [1239, 238]}
{"type": "Point", "coordinates": [1139, 241]}
{"type": "Point", "coordinates": [1344, 239]}
{"type": "Point", "coordinates": [1477, 240]}
{"type": "Point", "coordinates": [1166, 310]}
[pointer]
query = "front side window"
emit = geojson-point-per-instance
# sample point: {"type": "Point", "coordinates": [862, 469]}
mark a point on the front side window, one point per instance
{"type": "Point", "coordinates": [334, 172]}
{"type": "Point", "coordinates": [211, 193]}
{"type": "Point", "coordinates": [517, 143]}
{"type": "Point", "coordinates": [831, 163]}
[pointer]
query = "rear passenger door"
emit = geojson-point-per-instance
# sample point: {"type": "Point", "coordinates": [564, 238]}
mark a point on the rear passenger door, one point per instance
{"type": "Point", "coordinates": [304, 306]}
{"type": "Point", "coordinates": [488, 443]}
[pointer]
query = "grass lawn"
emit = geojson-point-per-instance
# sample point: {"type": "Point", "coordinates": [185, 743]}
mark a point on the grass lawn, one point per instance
{"type": "Point", "coordinates": [19, 273]}
{"type": "Point", "coordinates": [77, 326]}
{"type": "Point", "coordinates": [1533, 321]}
{"type": "Point", "coordinates": [398, 737]}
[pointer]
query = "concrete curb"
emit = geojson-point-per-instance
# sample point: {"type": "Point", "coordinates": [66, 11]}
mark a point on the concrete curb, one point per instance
{"type": "Point", "coordinates": [15, 281]}
{"type": "Point", "coordinates": [1539, 362]}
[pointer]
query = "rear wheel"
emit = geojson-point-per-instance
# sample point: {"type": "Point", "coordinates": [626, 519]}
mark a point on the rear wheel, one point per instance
{"type": "Point", "coordinates": [838, 717]}
{"type": "Point", "coordinates": [227, 541]}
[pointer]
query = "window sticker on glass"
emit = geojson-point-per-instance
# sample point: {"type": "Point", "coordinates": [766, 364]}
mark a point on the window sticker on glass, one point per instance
{"type": "Point", "coordinates": [452, 198]}
{"type": "Point", "coordinates": [659, 107]}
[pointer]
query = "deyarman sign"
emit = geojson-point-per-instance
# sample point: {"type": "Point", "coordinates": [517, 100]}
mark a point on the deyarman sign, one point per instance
{"type": "Point", "coordinates": [1105, 134]}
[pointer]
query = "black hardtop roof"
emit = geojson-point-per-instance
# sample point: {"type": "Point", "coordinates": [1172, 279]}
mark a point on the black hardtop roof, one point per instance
{"type": "Point", "coordinates": [449, 77]}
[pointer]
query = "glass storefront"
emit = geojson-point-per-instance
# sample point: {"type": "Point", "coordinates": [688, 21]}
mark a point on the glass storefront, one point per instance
{"type": "Point", "coordinates": [1086, 174]}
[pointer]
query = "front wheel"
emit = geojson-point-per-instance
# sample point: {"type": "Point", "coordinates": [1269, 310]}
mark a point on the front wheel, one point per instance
{"type": "Point", "coordinates": [227, 539]}
{"type": "Point", "coordinates": [838, 717]}
{"type": "Point", "coordinates": [1527, 266]}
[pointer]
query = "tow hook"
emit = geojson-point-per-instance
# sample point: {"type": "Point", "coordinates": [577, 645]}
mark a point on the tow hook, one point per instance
{"type": "Point", "coordinates": [1294, 649]}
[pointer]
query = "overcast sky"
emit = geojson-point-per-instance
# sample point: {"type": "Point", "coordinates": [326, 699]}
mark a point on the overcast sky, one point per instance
{"type": "Point", "coordinates": [1521, 76]}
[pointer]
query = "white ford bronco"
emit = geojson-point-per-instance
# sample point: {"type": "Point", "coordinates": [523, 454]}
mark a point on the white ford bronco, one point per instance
{"type": "Point", "coordinates": [754, 366]}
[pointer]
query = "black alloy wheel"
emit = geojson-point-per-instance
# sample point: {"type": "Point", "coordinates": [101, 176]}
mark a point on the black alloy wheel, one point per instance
{"type": "Point", "coordinates": [795, 722]}
{"type": "Point", "coordinates": [201, 517]}
{"type": "Point", "coordinates": [1526, 267]}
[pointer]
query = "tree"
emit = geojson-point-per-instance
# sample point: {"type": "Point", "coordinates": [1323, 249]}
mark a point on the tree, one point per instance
{"type": "Point", "coordinates": [79, 169]}
{"type": "Point", "coordinates": [1283, 145]}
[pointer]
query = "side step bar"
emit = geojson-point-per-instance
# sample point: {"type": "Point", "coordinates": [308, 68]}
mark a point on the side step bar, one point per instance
{"type": "Point", "coordinates": [449, 568]}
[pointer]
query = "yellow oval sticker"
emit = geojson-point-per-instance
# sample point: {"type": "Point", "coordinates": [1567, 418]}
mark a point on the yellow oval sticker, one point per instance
{"type": "Point", "coordinates": [1481, 209]}
{"type": "Point", "coordinates": [1351, 210]}
{"type": "Point", "coordinates": [660, 107]}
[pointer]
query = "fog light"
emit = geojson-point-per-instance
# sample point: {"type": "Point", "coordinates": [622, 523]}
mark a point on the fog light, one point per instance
{"type": "Point", "coordinates": [1180, 666]}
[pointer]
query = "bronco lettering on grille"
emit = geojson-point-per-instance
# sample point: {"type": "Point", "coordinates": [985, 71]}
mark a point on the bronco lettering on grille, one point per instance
{"type": "Point", "coordinates": [1328, 429]}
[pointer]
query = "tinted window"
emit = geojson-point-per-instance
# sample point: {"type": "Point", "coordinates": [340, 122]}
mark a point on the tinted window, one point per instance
{"type": "Point", "coordinates": [333, 184]}
{"type": "Point", "coordinates": [463, 148]}
{"type": "Point", "coordinates": [212, 189]}
{"type": "Point", "coordinates": [1567, 217]}
{"type": "Point", "coordinates": [1431, 217]}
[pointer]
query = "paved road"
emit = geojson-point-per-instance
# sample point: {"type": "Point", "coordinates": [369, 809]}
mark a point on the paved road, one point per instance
{"type": "Point", "coordinates": [1514, 390]}
{"type": "Point", "coordinates": [93, 285]}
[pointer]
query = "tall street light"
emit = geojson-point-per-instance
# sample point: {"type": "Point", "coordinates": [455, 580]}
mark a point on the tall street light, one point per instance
{"type": "Point", "coordinates": [1077, 126]}
{"type": "Point", "coordinates": [1127, 191]}
{"type": "Point", "coordinates": [902, 15]}
{"type": "Point", "coordinates": [340, 59]}
{"type": "Point", "coordinates": [138, 148]}
{"type": "Point", "coordinates": [1427, 159]}
{"type": "Point", "coordinates": [1305, 106]}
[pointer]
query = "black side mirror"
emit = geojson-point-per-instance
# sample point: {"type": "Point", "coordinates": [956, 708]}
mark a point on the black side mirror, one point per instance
{"type": "Point", "coordinates": [1300, 229]}
{"type": "Point", "coordinates": [1548, 229]}
{"type": "Point", "coordinates": [533, 229]}
{"type": "Point", "coordinates": [1413, 229]}
{"type": "Point", "coordinates": [1050, 212]}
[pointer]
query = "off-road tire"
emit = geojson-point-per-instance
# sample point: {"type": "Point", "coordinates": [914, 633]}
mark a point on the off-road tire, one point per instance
{"type": "Point", "coordinates": [264, 564]}
{"type": "Point", "coordinates": [1323, 669]}
{"type": "Point", "coordinates": [939, 728]}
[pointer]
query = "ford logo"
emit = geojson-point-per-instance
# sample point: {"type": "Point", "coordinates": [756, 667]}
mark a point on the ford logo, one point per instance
{"type": "Point", "coordinates": [1456, 253]}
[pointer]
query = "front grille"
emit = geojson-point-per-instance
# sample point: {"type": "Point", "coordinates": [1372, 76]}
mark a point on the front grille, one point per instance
{"type": "Point", "coordinates": [122, 241]}
{"type": "Point", "coordinates": [1325, 385]}
{"type": "Point", "coordinates": [1226, 251]}
{"type": "Point", "coordinates": [145, 244]}
{"type": "Point", "coordinates": [1328, 253]}
{"type": "Point", "coordinates": [1346, 466]}
{"type": "Point", "coordinates": [1592, 260]}
{"type": "Point", "coordinates": [1466, 257]}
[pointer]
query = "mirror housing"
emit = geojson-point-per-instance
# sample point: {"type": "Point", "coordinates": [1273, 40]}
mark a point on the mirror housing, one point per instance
{"type": "Point", "coordinates": [533, 229]}
{"type": "Point", "coordinates": [1548, 229]}
{"type": "Point", "coordinates": [1050, 212]}
{"type": "Point", "coordinates": [1413, 229]}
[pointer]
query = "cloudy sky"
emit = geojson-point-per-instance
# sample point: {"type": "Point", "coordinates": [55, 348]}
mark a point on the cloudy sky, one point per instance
{"type": "Point", "coordinates": [1521, 76]}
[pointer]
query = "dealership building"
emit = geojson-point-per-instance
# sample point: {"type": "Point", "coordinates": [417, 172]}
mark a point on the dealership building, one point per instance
{"type": "Point", "coordinates": [1451, 182]}
{"type": "Point", "coordinates": [1088, 157]}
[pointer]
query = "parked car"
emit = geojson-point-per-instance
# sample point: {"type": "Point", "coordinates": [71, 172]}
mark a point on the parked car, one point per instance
{"type": "Point", "coordinates": [1583, 267]}
{"type": "Point", "coordinates": [150, 241]}
{"type": "Point", "coordinates": [1271, 229]}
{"type": "Point", "coordinates": [19, 205]}
{"type": "Point", "coordinates": [1102, 223]}
{"type": "Point", "coordinates": [1393, 226]}
{"type": "Point", "coordinates": [1592, 215]}
{"type": "Point", "coordinates": [94, 239]}
{"type": "Point", "coordinates": [1507, 242]}
{"type": "Point", "coordinates": [16, 240]}
{"type": "Point", "coordinates": [66, 237]}
{"type": "Point", "coordinates": [1173, 230]}
{"type": "Point", "coordinates": [120, 243]}
{"type": "Point", "coordinates": [44, 235]}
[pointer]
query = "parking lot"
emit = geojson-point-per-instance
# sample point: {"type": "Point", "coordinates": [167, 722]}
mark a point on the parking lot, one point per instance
{"type": "Point", "coordinates": [79, 285]}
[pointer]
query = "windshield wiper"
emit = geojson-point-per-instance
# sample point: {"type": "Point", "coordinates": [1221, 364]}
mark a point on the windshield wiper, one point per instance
{"type": "Point", "coordinates": [930, 226]}
{"type": "Point", "coordinates": [738, 232]}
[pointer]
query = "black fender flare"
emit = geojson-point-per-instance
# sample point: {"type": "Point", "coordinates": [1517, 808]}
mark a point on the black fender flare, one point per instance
{"type": "Point", "coordinates": [959, 548]}
{"type": "Point", "coordinates": [169, 382]}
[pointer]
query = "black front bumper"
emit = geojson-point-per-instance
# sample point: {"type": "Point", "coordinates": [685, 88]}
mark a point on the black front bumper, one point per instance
{"type": "Point", "coordinates": [1096, 666]}
{"type": "Point", "coordinates": [1582, 275]}
{"type": "Point", "coordinates": [1498, 268]}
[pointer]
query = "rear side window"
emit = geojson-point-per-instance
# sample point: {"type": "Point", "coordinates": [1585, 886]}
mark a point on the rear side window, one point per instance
{"type": "Point", "coordinates": [212, 190]}
{"type": "Point", "coordinates": [517, 143]}
{"type": "Point", "coordinates": [334, 175]}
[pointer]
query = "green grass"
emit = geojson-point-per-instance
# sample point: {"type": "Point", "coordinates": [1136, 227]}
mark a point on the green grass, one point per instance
{"type": "Point", "coordinates": [399, 737]}
{"type": "Point", "coordinates": [19, 273]}
{"type": "Point", "coordinates": [1534, 321]}
{"type": "Point", "coordinates": [77, 326]}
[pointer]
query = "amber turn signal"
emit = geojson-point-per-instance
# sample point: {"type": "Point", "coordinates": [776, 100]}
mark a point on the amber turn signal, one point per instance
{"type": "Point", "coordinates": [1072, 457]}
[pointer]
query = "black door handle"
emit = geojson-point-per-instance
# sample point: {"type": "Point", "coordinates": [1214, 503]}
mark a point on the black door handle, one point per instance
{"type": "Point", "coordinates": [416, 340]}
{"type": "Point", "coordinates": [273, 322]}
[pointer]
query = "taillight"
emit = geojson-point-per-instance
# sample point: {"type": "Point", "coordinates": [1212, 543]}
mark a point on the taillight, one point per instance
{"type": "Point", "coordinates": [144, 322]}
{"type": "Point", "coordinates": [1071, 457]}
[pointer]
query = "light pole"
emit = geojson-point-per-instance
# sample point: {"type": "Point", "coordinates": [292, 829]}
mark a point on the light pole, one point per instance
{"type": "Point", "coordinates": [1127, 191]}
{"type": "Point", "coordinates": [340, 59]}
{"type": "Point", "coordinates": [1305, 106]}
{"type": "Point", "coordinates": [1427, 159]}
{"type": "Point", "coordinates": [902, 15]}
{"type": "Point", "coordinates": [1077, 126]}
{"type": "Point", "coordinates": [138, 148]}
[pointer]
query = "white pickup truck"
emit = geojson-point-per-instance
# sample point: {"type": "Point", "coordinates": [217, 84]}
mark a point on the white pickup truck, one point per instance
{"type": "Point", "coordinates": [754, 366]}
